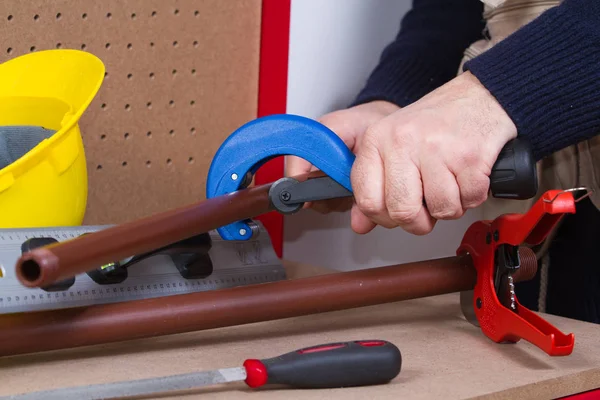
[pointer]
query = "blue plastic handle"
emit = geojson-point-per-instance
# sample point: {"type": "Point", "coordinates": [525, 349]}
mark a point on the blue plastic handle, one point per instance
{"type": "Point", "coordinates": [265, 138]}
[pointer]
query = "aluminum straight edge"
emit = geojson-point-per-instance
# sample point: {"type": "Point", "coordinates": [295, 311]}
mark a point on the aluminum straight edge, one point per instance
{"type": "Point", "coordinates": [235, 264]}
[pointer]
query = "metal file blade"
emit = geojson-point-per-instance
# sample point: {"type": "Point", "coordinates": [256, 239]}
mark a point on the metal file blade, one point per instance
{"type": "Point", "coordinates": [137, 387]}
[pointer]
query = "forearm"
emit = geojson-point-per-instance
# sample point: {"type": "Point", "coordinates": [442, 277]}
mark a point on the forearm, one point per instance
{"type": "Point", "coordinates": [427, 51]}
{"type": "Point", "coordinates": [546, 76]}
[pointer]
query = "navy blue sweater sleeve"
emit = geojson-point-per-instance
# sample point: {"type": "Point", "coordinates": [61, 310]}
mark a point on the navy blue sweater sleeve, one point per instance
{"type": "Point", "coordinates": [547, 76]}
{"type": "Point", "coordinates": [427, 51]}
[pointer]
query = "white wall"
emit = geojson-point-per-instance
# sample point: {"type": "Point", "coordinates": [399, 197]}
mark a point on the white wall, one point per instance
{"type": "Point", "coordinates": [334, 44]}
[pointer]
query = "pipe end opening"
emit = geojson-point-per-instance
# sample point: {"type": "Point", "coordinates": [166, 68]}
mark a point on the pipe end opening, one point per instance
{"type": "Point", "coordinates": [30, 270]}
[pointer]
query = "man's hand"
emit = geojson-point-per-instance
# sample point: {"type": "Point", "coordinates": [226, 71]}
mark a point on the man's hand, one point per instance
{"type": "Point", "coordinates": [438, 151]}
{"type": "Point", "coordinates": [350, 125]}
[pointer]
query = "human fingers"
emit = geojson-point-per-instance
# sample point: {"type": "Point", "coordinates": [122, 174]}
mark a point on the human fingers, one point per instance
{"type": "Point", "coordinates": [404, 200]}
{"type": "Point", "coordinates": [349, 125]}
{"type": "Point", "coordinates": [440, 188]}
{"type": "Point", "coordinates": [331, 205]}
{"type": "Point", "coordinates": [404, 185]}
{"type": "Point", "coordinates": [295, 166]}
{"type": "Point", "coordinates": [368, 184]}
{"type": "Point", "coordinates": [359, 222]}
{"type": "Point", "coordinates": [474, 186]}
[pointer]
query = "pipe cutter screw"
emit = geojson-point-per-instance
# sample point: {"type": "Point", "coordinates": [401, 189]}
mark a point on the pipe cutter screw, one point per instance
{"type": "Point", "coordinates": [285, 196]}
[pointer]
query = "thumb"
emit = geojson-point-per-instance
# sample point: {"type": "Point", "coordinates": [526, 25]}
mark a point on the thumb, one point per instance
{"type": "Point", "coordinates": [294, 166]}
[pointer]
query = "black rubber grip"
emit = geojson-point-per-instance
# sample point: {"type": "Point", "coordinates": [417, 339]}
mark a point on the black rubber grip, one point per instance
{"type": "Point", "coordinates": [335, 365]}
{"type": "Point", "coordinates": [514, 175]}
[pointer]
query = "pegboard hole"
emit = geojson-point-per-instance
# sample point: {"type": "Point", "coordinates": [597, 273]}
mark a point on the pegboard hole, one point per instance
{"type": "Point", "coordinates": [127, 107]}
{"type": "Point", "coordinates": [9, 50]}
{"type": "Point", "coordinates": [58, 45]}
{"type": "Point", "coordinates": [102, 137]}
{"type": "Point", "coordinates": [153, 13]}
{"type": "Point", "coordinates": [193, 131]}
{"type": "Point", "coordinates": [192, 103]}
{"type": "Point", "coordinates": [58, 16]}
{"type": "Point", "coordinates": [126, 135]}
{"type": "Point", "coordinates": [149, 105]}
{"type": "Point", "coordinates": [174, 72]}
{"type": "Point", "coordinates": [196, 43]}
{"type": "Point", "coordinates": [172, 103]}
{"type": "Point", "coordinates": [151, 44]}
{"type": "Point", "coordinates": [103, 106]}
{"type": "Point", "coordinates": [169, 161]}
{"type": "Point", "coordinates": [129, 76]}
{"type": "Point", "coordinates": [32, 49]}
{"type": "Point", "coordinates": [175, 43]}
{"type": "Point", "coordinates": [151, 75]}
{"type": "Point", "coordinates": [191, 160]}
{"type": "Point", "coordinates": [107, 45]}
{"type": "Point", "coordinates": [10, 17]}
{"type": "Point", "coordinates": [148, 163]}
{"type": "Point", "coordinates": [196, 13]}
{"type": "Point", "coordinates": [99, 167]}
{"type": "Point", "coordinates": [193, 72]}
{"type": "Point", "coordinates": [176, 11]}
{"type": "Point", "coordinates": [172, 132]}
{"type": "Point", "coordinates": [36, 17]}
{"type": "Point", "coordinates": [124, 163]}
{"type": "Point", "coordinates": [149, 133]}
{"type": "Point", "coordinates": [109, 15]}
{"type": "Point", "coordinates": [133, 16]}
{"type": "Point", "coordinates": [129, 46]}
{"type": "Point", "coordinates": [83, 46]}
{"type": "Point", "coordinates": [84, 16]}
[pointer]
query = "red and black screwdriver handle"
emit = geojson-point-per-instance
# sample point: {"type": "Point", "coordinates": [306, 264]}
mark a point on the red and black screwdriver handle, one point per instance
{"type": "Point", "coordinates": [332, 365]}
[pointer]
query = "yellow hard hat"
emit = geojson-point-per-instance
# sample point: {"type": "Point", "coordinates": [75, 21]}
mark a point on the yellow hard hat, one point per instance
{"type": "Point", "coordinates": [43, 175]}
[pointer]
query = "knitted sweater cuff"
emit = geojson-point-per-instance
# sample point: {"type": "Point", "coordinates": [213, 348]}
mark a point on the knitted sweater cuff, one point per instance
{"type": "Point", "coordinates": [547, 77]}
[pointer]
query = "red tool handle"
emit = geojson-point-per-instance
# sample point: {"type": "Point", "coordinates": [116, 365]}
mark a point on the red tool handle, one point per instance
{"type": "Point", "coordinates": [332, 365]}
{"type": "Point", "coordinates": [481, 241]}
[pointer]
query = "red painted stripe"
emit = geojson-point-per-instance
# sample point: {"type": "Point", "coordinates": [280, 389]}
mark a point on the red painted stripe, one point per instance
{"type": "Point", "coordinates": [591, 395]}
{"type": "Point", "coordinates": [272, 95]}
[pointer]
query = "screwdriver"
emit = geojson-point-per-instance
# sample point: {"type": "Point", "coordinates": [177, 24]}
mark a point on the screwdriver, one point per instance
{"type": "Point", "coordinates": [332, 365]}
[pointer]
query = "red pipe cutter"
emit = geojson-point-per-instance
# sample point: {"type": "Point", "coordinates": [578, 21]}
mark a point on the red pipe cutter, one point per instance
{"type": "Point", "coordinates": [493, 246]}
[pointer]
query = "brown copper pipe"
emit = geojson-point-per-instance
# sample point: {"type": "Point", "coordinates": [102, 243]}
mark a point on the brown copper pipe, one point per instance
{"type": "Point", "coordinates": [68, 328]}
{"type": "Point", "coordinates": [63, 260]}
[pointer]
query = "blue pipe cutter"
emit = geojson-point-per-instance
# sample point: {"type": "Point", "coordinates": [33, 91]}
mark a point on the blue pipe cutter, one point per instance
{"type": "Point", "coordinates": [513, 176]}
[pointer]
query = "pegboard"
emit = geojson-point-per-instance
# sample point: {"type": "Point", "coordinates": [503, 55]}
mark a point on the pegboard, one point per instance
{"type": "Point", "coordinates": [181, 75]}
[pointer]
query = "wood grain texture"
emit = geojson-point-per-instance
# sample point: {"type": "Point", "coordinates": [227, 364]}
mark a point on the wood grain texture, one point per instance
{"type": "Point", "coordinates": [181, 76]}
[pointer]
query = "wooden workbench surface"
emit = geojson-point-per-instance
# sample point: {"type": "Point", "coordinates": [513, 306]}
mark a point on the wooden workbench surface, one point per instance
{"type": "Point", "coordinates": [444, 357]}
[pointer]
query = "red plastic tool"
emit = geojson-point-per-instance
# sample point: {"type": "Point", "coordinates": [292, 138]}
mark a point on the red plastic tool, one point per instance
{"type": "Point", "coordinates": [331, 365]}
{"type": "Point", "coordinates": [482, 240]}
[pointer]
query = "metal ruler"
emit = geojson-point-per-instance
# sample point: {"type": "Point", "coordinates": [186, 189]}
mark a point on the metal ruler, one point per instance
{"type": "Point", "coordinates": [235, 263]}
